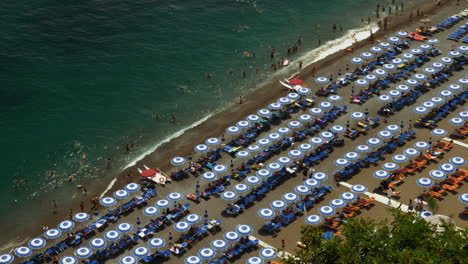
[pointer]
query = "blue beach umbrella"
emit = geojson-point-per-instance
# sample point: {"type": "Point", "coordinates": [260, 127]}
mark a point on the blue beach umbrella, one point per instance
{"type": "Point", "coordinates": [457, 121]}
{"type": "Point", "coordinates": [66, 225]}
{"type": "Point", "coordinates": [447, 167]}
{"type": "Point", "coordinates": [463, 198]}
{"type": "Point", "coordinates": [108, 201]}
{"type": "Point", "coordinates": [156, 242]}
{"type": "Point", "coordinates": [437, 65]}
{"type": "Point", "coordinates": [294, 124]}
{"type": "Point", "coordinates": [97, 243]}
{"type": "Point", "coordinates": [207, 253]}
{"type": "Point", "coordinates": [162, 204]}
{"type": "Point", "coordinates": [243, 154]}
{"type": "Point", "coordinates": [219, 244]}
{"type": "Point", "coordinates": [229, 195]}
{"type": "Point", "coordinates": [420, 110]}
{"type": "Point", "coordinates": [358, 188]}
{"type": "Point", "coordinates": [376, 49]}
{"type": "Point", "coordinates": [381, 174]}
{"type": "Point", "coordinates": [174, 196]}
{"type": "Point", "coordinates": [390, 166]}
{"type": "Point", "coordinates": [463, 81]}
{"type": "Point", "coordinates": [341, 162]}
{"type": "Point", "coordinates": [437, 100]}
{"type": "Point", "coordinates": [321, 80]}
{"type": "Point", "coordinates": [192, 218]}
{"type": "Point", "coordinates": [177, 161]}
{"type": "Point", "coordinates": [403, 88]}
{"type": "Point", "coordinates": [327, 135]}
{"type": "Point", "coordinates": [374, 141]}
{"type": "Point", "coordinates": [326, 210]}
{"type": "Point", "coordinates": [439, 132]}
{"type": "Point", "coordinates": [358, 115]}
{"type": "Point", "coordinates": [337, 203]}
{"type": "Point", "coordinates": [361, 82]}
{"type": "Point", "coordinates": [128, 260]}
{"type": "Point", "coordinates": [411, 152]}
{"type": "Point", "coordinates": [263, 142]}
{"type": "Point", "coordinates": [416, 51]}
{"type": "Point", "coordinates": [402, 34]}
{"type": "Point", "coordinates": [112, 235]}
{"type": "Point", "coordinates": [254, 260]}
{"type": "Point", "coordinates": [446, 60]}
{"type": "Point", "coordinates": [6, 258]}
{"type": "Point", "coordinates": [294, 153]}
{"type": "Point", "coordinates": [244, 230]}
{"type": "Point", "coordinates": [371, 77]}
{"type": "Point", "coordinates": [124, 227]}
{"type": "Point", "coordinates": [389, 67]}
{"type": "Point", "coordinates": [253, 118]}
{"type": "Point", "coordinates": [394, 93]}
{"type": "Point", "coordinates": [367, 55]}
{"type": "Point", "coordinates": [463, 114]}
{"type": "Point", "coordinates": [254, 148]}
{"type": "Point", "coordinates": [385, 45]}
{"type": "Point", "coordinates": [462, 48]}
{"type": "Point", "coordinates": [141, 252]}
{"type": "Point", "coordinates": [81, 217]}
{"type": "Point", "coordinates": [23, 252]}
{"type": "Point", "coordinates": [151, 211]}
{"type": "Point", "coordinates": [412, 82]}
{"type": "Point", "coordinates": [121, 194]}
{"type": "Point", "coordinates": [193, 260]}
{"type": "Point", "coordinates": [313, 219]}
{"type": "Point", "coordinates": [363, 148]}
{"type": "Point", "coordinates": [215, 141]}
{"type": "Point", "coordinates": [348, 196]}
{"type": "Point", "coordinates": [202, 147]}
{"type": "Point", "coordinates": [274, 136]}
{"type": "Point", "coordinates": [311, 183]}
{"type": "Point", "coordinates": [429, 70]}
{"type": "Point", "coordinates": [268, 253]}
{"type": "Point", "coordinates": [264, 173]}
{"type": "Point", "coordinates": [432, 41]}
{"type": "Point", "coordinates": [352, 156]}
{"type": "Point", "coordinates": [37, 243]}
{"type": "Point", "coordinates": [302, 189]}
{"type": "Point", "coordinates": [220, 168]}
{"type": "Point", "coordinates": [305, 118]}
{"type": "Point", "coordinates": [421, 145]}
{"type": "Point", "coordinates": [425, 46]}
{"type": "Point", "coordinates": [284, 130]}
{"type": "Point", "coordinates": [400, 158]}
{"type": "Point", "coordinates": [437, 174]}
{"type": "Point", "coordinates": [284, 160]}
{"type": "Point", "coordinates": [357, 60]}
{"type": "Point", "coordinates": [274, 166]}
{"type": "Point", "coordinates": [303, 91]}
{"type": "Point", "coordinates": [397, 61]}
{"type": "Point", "coordinates": [454, 53]}
{"type": "Point", "coordinates": [132, 187]}
{"type": "Point", "coordinates": [232, 236]}
{"type": "Point", "coordinates": [419, 76]}
{"type": "Point", "coordinates": [278, 205]}
{"type": "Point", "coordinates": [305, 147]}
{"type": "Point", "coordinates": [326, 105]}
{"type": "Point", "coordinates": [83, 252]}
{"type": "Point", "coordinates": [320, 176]}
{"type": "Point", "coordinates": [334, 98]}
{"type": "Point", "coordinates": [407, 56]}
{"type": "Point", "coordinates": [380, 72]}
{"type": "Point", "coordinates": [385, 134]}
{"type": "Point", "coordinates": [428, 104]}
{"type": "Point", "coordinates": [67, 260]}
{"type": "Point", "coordinates": [293, 96]}
{"type": "Point", "coordinates": [264, 112]}
{"type": "Point", "coordinates": [338, 129]}
{"type": "Point", "coordinates": [316, 111]}
{"type": "Point", "coordinates": [241, 188]}
{"type": "Point", "coordinates": [208, 176]}
{"type": "Point", "coordinates": [182, 226]}
{"type": "Point", "coordinates": [290, 197]}
{"type": "Point", "coordinates": [52, 233]}
{"type": "Point", "coordinates": [458, 161]}
{"type": "Point", "coordinates": [266, 213]}
{"type": "Point", "coordinates": [316, 140]}
{"type": "Point", "coordinates": [243, 124]}
{"type": "Point", "coordinates": [424, 182]}
{"type": "Point", "coordinates": [284, 100]}
{"type": "Point", "coordinates": [232, 130]}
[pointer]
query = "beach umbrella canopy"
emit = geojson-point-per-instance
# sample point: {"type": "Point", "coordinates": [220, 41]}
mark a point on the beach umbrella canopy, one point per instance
{"type": "Point", "coordinates": [320, 176]}
{"type": "Point", "coordinates": [432, 41]}
{"type": "Point", "coordinates": [193, 260]}
{"type": "Point", "coordinates": [447, 167]}
{"type": "Point", "coordinates": [341, 162]}
{"type": "Point", "coordinates": [397, 61]}
{"type": "Point", "coordinates": [316, 140]}
{"type": "Point", "coordinates": [374, 141]}
{"type": "Point", "coordinates": [263, 142]}
{"type": "Point", "coordinates": [229, 195]}
{"type": "Point", "coordinates": [437, 65]}
{"type": "Point", "coordinates": [244, 230]}
{"type": "Point", "coordinates": [402, 34]}
{"type": "Point", "coordinates": [284, 130]}
{"type": "Point", "coordinates": [124, 227]}
{"type": "Point", "coordinates": [338, 129]}
{"type": "Point", "coordinates": [97, 243]}
{"type": "Point", "coordinates": [266, 213]}
{"type": "Point", "coordinates": [264, 112]}
{"type": "Point", "coordinates": [316, 111]}
{"type": "Point", "coordinates": [112, 235]}
{"type": "Point", "coordinates": [220, 168]}
{"type": "Point", "coordinates": [37, 243]}
{"type": "Point", "coordinates": [424, 182]}
{"type": "Point", "coordinates": [385, 45]}
{"type": "Point", "coordinates": [416, 51]}
{"type": "Point", "coordinates": [121, 194]}
{"type": "Point", "coordinates": [141, 252]}
{"type": "Point", "coordinates": [311, 183]}
{"type": "Point", "coordinates": [385, 134]}
{"type": "Point", "coordinates": [293, 96]}
{"type": "Point", "coordinates": [326, 105]}
{"type": "Point", "coordinates": [294, 124]}
{"type": "Point", "coordinates": [264, 173]}
{"type": "Point", "coordinates": [302, 189]}
{"type": "Point", "coordinates": [80, 217]}
{"type": "Point", "coordinates": [421, 145]}
{"type": "Point", "coordinates": [361, 82]}
{"type": "Point", "coordinates": [52, 233]}
{"type": "Point", "coordinates": [429, 70]}
{"type": "Point", "coordinates": [400, 158]}
{"type": "Point", "coordinates": [380, 72]}
{"type": "Point", "coordinates": [437, 174]}
{"type": "Point", "coordinates": [357, 115]}
{"type": "Point", "coordinates": [376, 49]}
{"type": "Point", "coordinates": [231, 130]}
{"type": "Point", "coordinates": [268, 253]}
{"type": "Point", "coordinates": [182, 226]}
{"type": "Point", "coordinates": [252, 180]}
{"type": "Point", "coordinates": [334, 98]}
{"type": "Point", "coordinates": [425, 214]}
{"type": "Point", "coordinates": [243, 124]}
{"type": "Point", "coordinates": [425, 46]}
{"type": "Point", "coordinates": [411, 152]}
{"type": "Point", "coordinates": [463, 81]}
{"type": "Point", "coordinates": [83, 252]}
{"type": "Point", "coordinates": [407, 56]}
{"type": "Point", "coordinates": [162, 204]}
{"type": "Point", "coordinates": [290, 197]}
{"type": "Point", "coordinates": [389, 67]}
{"type": "Point", "coordinates": [231, 236]}
{"type": "Point", "coordinates": [175, 161]}
{"type": "Point", "coordinates": [253, 148]}
{"type": "Point", "coordinates": [412, 82]}
{"type": "Point", "coordinates": [446, 60]}
{"type": "Point", "coordinates": [352, 155]}
{"type": "Point", "coordinates": [241, 188]}
{"type": "Point", "coordinates": [132, 187]}
{"type": "Point", "coordinates": [462, 48]}
{"type": "Point", "coordinates": [66, 225]}
{"type": "Point", "coordinates": [254, 260]}
{"type": "Point", "coordinates": [439, 132]}
{"type": "Point", "coordinates": [108, 201]}
{"type": "Point", "coordinates": [454, 53]}
{"type": "Point", "coordinates": [202, 147]}
{"type": "Point", "coordinates": [245, 154]}
{"type": "Point", "coordinates": [371, 77]}
{"type": "Point", "coordinates": [463, 114]}
{"type": "Point", "coordinates": [390, 166]}
{"type": "Point", "coordinates": [348, 196]}
{"type": "Point", "coordinates": [381, 174]}
{"type": "Point", "coordinates": [192, 218]}
{"type": "Point", "coordinates": [357, 60]}
{"type": "Point", "coordinates": [6, 258]}
{"type": "Point", "coordinates": [128, 260]}
{"type": "Point", "coordinates": [151, 211]}
{"type": "Point", "coordinates": [219, 244]}
{"type": "Point", "coordinates": [207, 253]}
{"type": "Point", "coordinates": [420, 110]}
{"type": "Point", "coordinates": [274, 167]}
{"type": "Point", "coordinates": [456, 121]}
{"type": "Point", "coordinates": [305, 147]}
{"type": "Point", "coordinates": [305, 118]}
{"type": "Point", "coordinates": [326, 210]}
{"type": "Point", "coordinates": [208, 176]}
{"type": "Point", "coordinates": [321, 80]}
{"type": "Point", "coordinates": [294, 153]}
{"type": "Point", "coordinates": [358, 188]}
{"type": "Point", "coordinates": [284, 100]}
{"type": "Point", "coordinates": [445, 93]}
{"type": "Point", "coordinates": [394, 93]}
{"type": "Point", "coordinates": [156, 242]}
{"type": "Point", "coordinates": [278, 205]}
{"type": "Point", "coordinates": [458, 161]}
{"type": "Point", "coordinates": [313, 219]}
{"type": "Point", "coordinates": [273, 136]}
{"type": "Point", "coordinates": [362, 148]}
{"type": "Point", "coordinates": [402, 88]}
{"type": "Point", "coordinates": [216, 141]}
{"type": "Point", "coordinates": [67, 260]}
{"type": "Point", "coordinates": [327, 135]}
{"type": "Point", "coordinates": [419, 76]}
{"type": "Point", "coordinates": [303, 91]}
{"type": "Point", "coordinates": [393, 39]}
{"type": "Point", "coordinates": [428, 104]}
{"type": "Point", "coordinates": [437, 100]}
{"type": "Point", "coordinates": [337, 203]}
{"type": "Point", "coordinates": [463, 198]}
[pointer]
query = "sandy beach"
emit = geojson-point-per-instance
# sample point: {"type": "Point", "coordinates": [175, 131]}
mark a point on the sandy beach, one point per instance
{"type": "Point", "coordinates": [260, 98]}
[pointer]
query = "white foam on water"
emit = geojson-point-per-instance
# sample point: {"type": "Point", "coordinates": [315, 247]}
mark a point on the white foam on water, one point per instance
{"type": "Point", "coordinates": [10, 246]}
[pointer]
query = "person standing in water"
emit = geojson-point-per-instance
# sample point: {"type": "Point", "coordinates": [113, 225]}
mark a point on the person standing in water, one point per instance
{"type": "Point", "coordinates": [300, 65]}
{"type": "Point", "coordinates": [173, 116]}
{"type": "Point", "coordinates": [54, 204]}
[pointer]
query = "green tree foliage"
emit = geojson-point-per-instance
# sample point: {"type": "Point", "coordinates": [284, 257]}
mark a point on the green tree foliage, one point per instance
{"type": "Point", "coordinates": [408, 239]}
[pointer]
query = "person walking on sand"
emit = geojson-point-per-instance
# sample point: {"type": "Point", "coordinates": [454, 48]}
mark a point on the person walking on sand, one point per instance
{"type": "Point", "coordinates": [70, 215]}
{"type": "Point", "coordinates": [82, 206]}
{"type": "Point", "coordinates": [54, 204]}
{"type": "Point", "coordinates": [108, 163]}
{"type": "Point", "coordinates": [240, 99]}
{"type": "Point", "coordinates": [127, 147]}
{"type": "Point", "coordinates": [300, 65]}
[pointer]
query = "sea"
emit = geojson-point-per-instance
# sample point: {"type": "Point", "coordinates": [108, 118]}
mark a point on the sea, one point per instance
{"type": "Point", "coordinates": [81, 79]}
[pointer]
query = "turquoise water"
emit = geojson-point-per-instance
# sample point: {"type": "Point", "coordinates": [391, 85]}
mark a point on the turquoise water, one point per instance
{"type": "Point", "coordinates": [88, 76]}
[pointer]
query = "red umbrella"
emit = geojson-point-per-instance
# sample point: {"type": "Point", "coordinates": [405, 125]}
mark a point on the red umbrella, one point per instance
{"type": "Point", "coordinates": [295, 81]}
{"type": "Point", "coordinates": [148, 173]}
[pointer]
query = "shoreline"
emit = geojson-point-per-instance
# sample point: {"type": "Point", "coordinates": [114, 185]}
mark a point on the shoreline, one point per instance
{"type": "Point", "coordinates": [214, 125]}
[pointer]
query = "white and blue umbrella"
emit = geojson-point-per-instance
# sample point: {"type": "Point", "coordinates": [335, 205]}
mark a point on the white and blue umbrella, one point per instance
{"type": "Point", "coordinates": [385, 45]}
{"type": "Point", "coordinates": [266, 213]}
{"type": "Point", "coordinates": [437, 174]}
{"type": "Point", "coordinates": [381, 174]}
{"type": "Point", "coordinates": [463, 198]}
{"type": "Point", "coordinates": [219, 244]}
{"type": "Point", "coordinates": [278, 205]}
{"type": "Point", "coordinates": [244, 230]}
{"type": "Point", "coordinates": [334, 98]}
{"type": "Point", "coordinates": [371, 77]}
{"type": "Point", "coordinates": [439, 132]}
{"type": "Point", "coordinates": [407, 56]}
{"type": "Point", "coordinates": [132, 187]}
{"type": "Point", "coordinates": [23, 252]}
{"type": "Point", "coordinates": [305, 118]}
{"type": "Point", "coordinates": [389, 67]}
{"type": "Point", "coordinates": [456, 121]}
{"type": "Point", "coordinates": [241, 188]}
{"type": "Point", "coordinates": [428, 104]}
{"type": "Point", "coordinates": [302, 189]}
{"type": "Point", "coordinates": [416, 51]}
{"type": "Point", "coordinates": [243, 124]}
{"type": "Point", "coordinates": [232, 236]}
{"type": "Point", "coordinates": [412, 82]}
{"type": "Point", "coordinates": [316, 140]}
{"type": "Point", "coordinates": [37, 243]}
{"type": "Point", "coordinates": [6, 258]}
{"type": "Point", "coordinates": [463, 81]}
{"type": "Point", "coordinates": [447, 167]}
{"type": "Point", "coordinates": [337, 203]}
{"type": "Point", "coordinates": [424, 182]}
{"type": "Point", "coordinates": [462, 48]}
{"type": "Point", "coordinates": [390, 166]}
{"type": "Point", "coordinates": [400, 158]}
{"type": "Point", "coordinates": [294, 153]}
{"type": "Point", "coordinates": [83, 252]}
{"type": "Point", "coordinates": [357, 60]}
{"type": "Point", "coordinates": [326, 105]}
{"type": "Point", "coordinates": [254, 260]}
{"type": "Point", "coordinates": [192, 218]}
{"type": "Point", "coordinates": [341, 162]}
{"type": "Point", "coordinates": [303, 91]}
{"type": "Point", "coordinates": [316, 111]}
{"type": "Point", "coordinates": [394, 93]}
{"type": "Point", "coordinates": [425, 214]}
{"type": "Point", "coordinates": [108, 201]}
{"type": "Point", "coordinates": [141, 252]}
{"type": "Point", "coordinates": [284, 160]}
{"type": "Point", "coordinates": [229, 195]}
{"type": "Point", "coordinates": [232, 130]}
{"type": "Point", "coordinates": [446, 93]}
{"type": "Point", "coordinates": [284, 100]}
{"type": "Point", "coordinates": [326, 210]}
{"type": "Point", "coordinates": [358, 115]}
{"type": "Point", "coordinates": [274, 166]}
{"type": "Point", "coordinates": [215, 141]}
{"type": "Point", "coordinates": [162, 204]}
{"type": "Point", "coordinates": [327, 135]}
{"type": "Point", "coordinates": [177, 161]}
{"type": "Point", "coordinates": [385, 134]}
{"type": "Point", "coordinates": [156, 242]}
{"type": "Point", "coordinates": [67, 260]}
{"type": "Point", "coordinates": [429, 70]}
{"type": "Point", "coordinates": [352, 155]}
{"type": "Point", "coordinates": [252, 180]}
{"type": "Point", "coordinates": [454, 53]}
{"type": "Point", "coordinates": [359, 188]}
{"type": "Point", "coordinates": [403, 88]}
{"type": "Point", "coordinates": [313, 219]}
{"type": "Point", "coordinates": [290, 197]}
{"type": "Point", "coordinates": [363, 148]}
{"type": "Point", "coordinates": [425, 46]}
{"type": "Point", "coordinates": [112, 235]}
{"type": "Point", "coordinates": [321, 80]}
{"type": "Point", "coordinates": [305, 147]}
{"type": "Point", "coordinates": [274, 136]}
{"type": "Point", "coordinates": [264, 173]}
{"type": "Point", "coordinates": [182, 226]}
{"type": "Point", "coordinates": [220, 168]}
{"type": "Point", "coordinates": [128, 260]}
{"type": "Point", "coordinates": [193, 260]}
{"type": "Point", "coordinates": [458, 161]}
{"type": "Point", "coordinates": [268, 253]}
{"type": "Point", "coordinates": [411, 152]}
{"type": "Point", "coordinates": [338, 129]}
{"type": "Point", "coordinates": [293, 96]}
{"type": "Point", "coordinates": [348, 196]}
{"type": "Point", "coordinates": [253, 118]}
{"type": "Point", "coordinates": [361, 82]}
{"type": "Point", "coordinates": [463, 114]}
{"type": "Point", "coordinates": [66, 225]}
{"type": "Point", "coordinates": [52, 233]}
{"type": "Point", "coordinates": [320, 176]}
{"type": "Point", "coordinates": [402, 34]}
{"type": "Point", "coordinates": [421, 145]}
{"type": "Point", "coordinates": [294, 124]}
{"type": "Point", "coordinates": [432, 41]}
{"type": "Point", "coordinates": [380, 72]}
{"type": "Point", "coordinates": [437, 65]}
{"type": "Point", "coordinates": [121, 194]}
{"type": "Point", "coordinates": [243, 154]}
{"type": "Point", "coordinates": [284, 130]}
{"type": "Point", "coordinates": [151, 211]}
{"type": "Point", "coordinates": [97, 243]}
{"type": "Point", "coordinates": [202, 147]}
{"type": "Point", "coordinates": [124, 227]}
{"type": "Point", "coordinates": [81, 217]}
{"type": "Point", "coordinates": [206, 253]}
{"type": "Point", "coordinates": [420, 109]}
{"type": "Point", "coordinates": [208, 176]}
{"type": "Point", "coordinates": [446, 60]}
{"type": "Point", "coordinates": [437, 100]}
{"type": "Point", "coordinates": [254, 148]}
{"type": "Point", "coordinates": [263, 142]}
{"type": "Point", "coordinates": [376, 49]}
{"type": "Point", "coordinates": [264, 112]}
{"type": "Point", "coordinates": [397, 61]}
{"type": "Point", "coordinates": [374, 141]}
{"type": "Point", "coordinates": [311, 183]}
{"type": "Point", "coordinates": [393, 39]}
{"type": "Point", "coordinates": [419, 76]}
